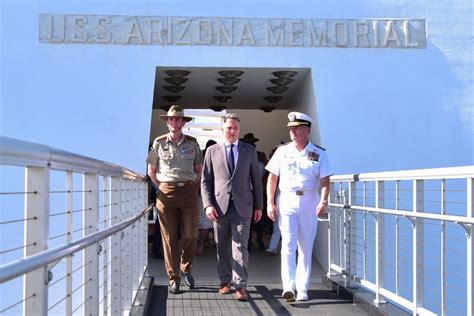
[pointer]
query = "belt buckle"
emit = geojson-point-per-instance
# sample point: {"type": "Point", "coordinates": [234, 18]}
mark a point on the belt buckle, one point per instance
{"type": "Point", "coordinates": [299, 192]}
{"type": "Point", "coordinates": [180, 184]}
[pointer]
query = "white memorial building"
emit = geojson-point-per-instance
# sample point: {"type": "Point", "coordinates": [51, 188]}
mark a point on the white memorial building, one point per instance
{"type": "Point", "coordinates": [388, 83]}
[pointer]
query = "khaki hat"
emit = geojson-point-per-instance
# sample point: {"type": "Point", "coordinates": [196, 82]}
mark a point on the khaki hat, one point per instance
{"type": "Point", "coordinates": [297, 119]}
{"type": "Point", "coordinates": [176, 111]}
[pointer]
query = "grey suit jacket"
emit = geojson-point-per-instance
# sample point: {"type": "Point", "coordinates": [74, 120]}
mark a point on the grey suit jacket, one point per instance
{"type": "Point", "coordinates": [245, 185]}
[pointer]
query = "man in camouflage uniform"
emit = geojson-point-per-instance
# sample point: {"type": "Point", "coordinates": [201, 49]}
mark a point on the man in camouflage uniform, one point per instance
{"type": "Point", "coordinates": [174, 166]}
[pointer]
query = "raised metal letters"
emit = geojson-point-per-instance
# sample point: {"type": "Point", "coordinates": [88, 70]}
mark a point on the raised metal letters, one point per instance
{"type": "Point", "coordinates": [220, 31]}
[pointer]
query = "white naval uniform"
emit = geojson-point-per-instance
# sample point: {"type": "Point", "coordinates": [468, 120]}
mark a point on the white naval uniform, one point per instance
{"type": "Point", "coordinates": [299, 174]}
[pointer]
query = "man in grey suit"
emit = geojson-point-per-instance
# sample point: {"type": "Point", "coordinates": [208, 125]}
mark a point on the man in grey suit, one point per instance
{"type": "Point", "coordinates": [231, 191]}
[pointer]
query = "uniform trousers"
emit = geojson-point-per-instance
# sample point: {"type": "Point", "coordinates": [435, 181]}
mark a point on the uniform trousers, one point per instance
{"type": "Point", "coordinates": [177, 206]}
{"type": "Point", "coordinates": [298, 224]}
{"type": "Point", "coordinates": [231, 232]}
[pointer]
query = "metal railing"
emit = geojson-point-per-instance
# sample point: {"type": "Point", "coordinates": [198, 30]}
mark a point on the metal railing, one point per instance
{"type": "Point", "coordinates": [406, 237]}
{"type": "Point", "coordinates": [77, 232]}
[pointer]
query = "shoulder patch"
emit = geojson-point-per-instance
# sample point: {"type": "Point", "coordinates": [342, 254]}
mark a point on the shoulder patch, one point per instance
{"type": "Point", "coordinates": [320, 147]}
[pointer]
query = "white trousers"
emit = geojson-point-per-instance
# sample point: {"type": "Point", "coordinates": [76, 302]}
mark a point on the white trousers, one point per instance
{"type": "Point", "coordinates": [298, 224]}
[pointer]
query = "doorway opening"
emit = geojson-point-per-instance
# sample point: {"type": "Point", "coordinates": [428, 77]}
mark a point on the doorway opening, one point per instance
{"type": "Point", "coordinates": [262, 97]}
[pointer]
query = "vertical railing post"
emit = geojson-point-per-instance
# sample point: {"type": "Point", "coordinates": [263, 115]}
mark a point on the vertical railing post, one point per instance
{"type": "Point", "coordinates": [69, 225]}
{"type": "Point", "coordinates": [144, 227]}
{"type": "Point", "coordinates": [135, 241]}
{"type": "Point", "coordinates": [140, 245]}
{"type": "Point", "coordinates": [397, 238]}
{"type": "Point", "coordinates": [91, 257]}
{"type": "Point", "coordinates": [379, 242]}
{"type": "Point", "coordinates": [443, 249]}
{"type": "Point", "coordinates": [116, 247]}
{"type": "Point", "coordinates": [140, 230]}
{"type": "Point", "coordinates": [353, 231]}
{"type": "Point", "coordinates": [364, 202]}
{"type": "Point", "coordinates": [346, 236]}
{"type": "Point", "coordinates": [330, 225]}
{"type": "Point", "coordinates": [340, 230]}
{"type": "Point", "coordinates": [343, 235]}
{"type": "Point", "coordinates": [106, 247]}
{"type": "Point", "coordinates": [336, 229]}
{"type": "Point", "coordinates": [35, 288]}
{"type": "Point", "coordinates": [126, 249]}
{"type": "Point", "coordinates": [418, 266]}
{"type": "Point", "coordinates": [470, 248]}
{"type": "Point", "coordinates": [123, 254]}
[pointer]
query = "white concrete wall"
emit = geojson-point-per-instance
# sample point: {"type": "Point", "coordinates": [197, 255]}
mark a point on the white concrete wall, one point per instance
{"type": "Point", "coordinates": [409, 108]}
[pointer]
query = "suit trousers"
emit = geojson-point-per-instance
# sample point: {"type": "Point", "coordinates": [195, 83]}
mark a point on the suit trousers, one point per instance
{"type": "Point", "coordinates": [177, 207]}
{"type": "Point", "coordinates": [232, 234]}
{"type": "Point", "coordinates": [298, 224]}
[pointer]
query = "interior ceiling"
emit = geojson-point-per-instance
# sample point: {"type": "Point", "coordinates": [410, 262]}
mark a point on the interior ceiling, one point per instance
{"type": "Point", "coordinates": [227, 88]}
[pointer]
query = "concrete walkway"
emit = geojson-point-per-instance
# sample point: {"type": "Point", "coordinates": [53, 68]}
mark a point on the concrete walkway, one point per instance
{"type": "Point", "coordinates": [264, 290]}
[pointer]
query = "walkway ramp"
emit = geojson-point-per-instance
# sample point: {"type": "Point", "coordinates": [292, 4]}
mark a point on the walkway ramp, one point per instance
{"type": "Point", "coordinates": [264, 290]}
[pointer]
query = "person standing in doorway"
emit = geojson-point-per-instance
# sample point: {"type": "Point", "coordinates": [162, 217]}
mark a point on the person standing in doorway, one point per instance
{"type": "Point", "coordinates": [175, 166]}
{"type": "Point", "coordinates": [301, 169]}
{"type": "Point", "coordinates": [231, 189]}
{"type": "Point", "coordinates": [204, 223]}
{"type": "Point", "coordinates": [249, 138]}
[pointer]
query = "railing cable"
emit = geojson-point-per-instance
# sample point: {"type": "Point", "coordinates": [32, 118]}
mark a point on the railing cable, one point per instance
{"type": "Point", "coordinates": [80, 267]}
{"type": "Point", "coordinates": [410, 214]}
{"type": "Point", "coordinates": [80, 305]}
{"type": "Point", "coordinates": [18, 220]}
{"type": "Point", "coordinates": [58, 302]}
{"type": "Point", "coordinates": [58, 236]}
{"type": "Point", "coordinates": [19, 267]}
{"type": "Point", "coordinates": [18, 193]}
{"type": "Point", "coordinates": [17, 303]}
{"type": "Point", "coordinates": [17, 248]}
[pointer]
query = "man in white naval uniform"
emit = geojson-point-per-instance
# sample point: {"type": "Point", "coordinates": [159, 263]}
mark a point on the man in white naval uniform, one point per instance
{"type": "Point", "coordinates": [301, 170]}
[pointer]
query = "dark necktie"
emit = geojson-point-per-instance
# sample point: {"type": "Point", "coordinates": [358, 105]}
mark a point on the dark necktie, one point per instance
{"type": "Point", "coordinates": [231, 159]}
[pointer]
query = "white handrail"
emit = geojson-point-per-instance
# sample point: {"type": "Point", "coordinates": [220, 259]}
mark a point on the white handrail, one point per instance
{"type": "Point", "coordinates": [416, 174]}
{"type": "Point", "coordinates": [429, 199]}
{"type": "Point", "coordinates": [17, 152]}
{"type": "Point", "coordinates": [410, 214]}
{"type": "Point", "coordinates": [124, 206]}
{"type": "Point", "coordinates": [19, 267]}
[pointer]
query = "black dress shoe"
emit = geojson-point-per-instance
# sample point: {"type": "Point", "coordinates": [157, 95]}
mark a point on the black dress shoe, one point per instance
{"type": "Point", "coordinates": [174, 287]}
{"type": "Point", "coordinates": [188, 280]}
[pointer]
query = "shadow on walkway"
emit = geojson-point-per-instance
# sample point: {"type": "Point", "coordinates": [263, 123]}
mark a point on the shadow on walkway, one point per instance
{"type": "Point", "coordinates": [264, 290]}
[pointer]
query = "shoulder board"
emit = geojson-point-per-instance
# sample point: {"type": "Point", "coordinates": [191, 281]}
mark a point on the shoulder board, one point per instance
{"type": "Point", "coordinates": [284, 144]}
{"type": "Point", "coordinates": [158, 139]}
{"type": "Point", "coordinates": [320, 147]}
{"type": "Point", "coordinates": [161, 137]}
{"type": "Point", "coordinates": [190, 138]}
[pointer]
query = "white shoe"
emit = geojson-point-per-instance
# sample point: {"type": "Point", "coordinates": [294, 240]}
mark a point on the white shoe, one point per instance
{"type": "Point", "coordinates": [289, 296]}
{"type": "Point", "coordinates": [302, 296]}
